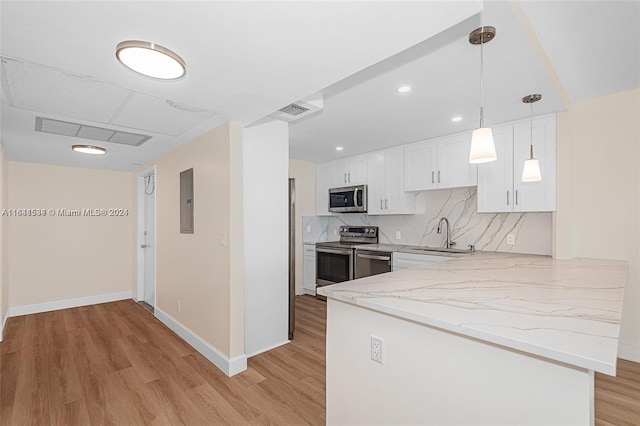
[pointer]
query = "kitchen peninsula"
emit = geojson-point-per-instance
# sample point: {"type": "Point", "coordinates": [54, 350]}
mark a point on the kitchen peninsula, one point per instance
{"type": "Point", "coordinates": [488, 338]}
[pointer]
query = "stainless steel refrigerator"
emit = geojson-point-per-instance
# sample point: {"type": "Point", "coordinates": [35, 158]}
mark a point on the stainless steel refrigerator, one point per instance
{"type": "Point", "coordinates": [292, 257]}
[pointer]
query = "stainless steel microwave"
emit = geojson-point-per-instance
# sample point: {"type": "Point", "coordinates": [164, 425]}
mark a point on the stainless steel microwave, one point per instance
{"type": "Point", "coordinates": [349, 199]}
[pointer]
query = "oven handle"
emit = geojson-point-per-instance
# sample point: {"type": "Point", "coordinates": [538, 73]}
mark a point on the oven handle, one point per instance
{"type": "Point", "coordinates": [331, 251]}
{"type": "Point", "coordinates": [368, 256]}
{"type": "Point", "coordinates": [355, 198]}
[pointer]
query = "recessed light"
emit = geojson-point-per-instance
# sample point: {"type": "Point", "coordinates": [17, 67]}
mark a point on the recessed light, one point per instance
{"type": "Point", "coordinates": [88, 149]}
{"type": "Point", "coordinates": [404, 89]}
{"type": "Point", "coordinates": [151, 59]}
{"type": "Point", "coordinates": [339, 148]}
{"type": "Point", "coordinates": [456, 119]}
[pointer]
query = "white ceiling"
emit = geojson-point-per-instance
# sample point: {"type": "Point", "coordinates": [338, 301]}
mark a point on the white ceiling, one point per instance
{"type": "Point", "coordinates": [245, 60]}
{"type": "Point", "coordinates": [593, 47]}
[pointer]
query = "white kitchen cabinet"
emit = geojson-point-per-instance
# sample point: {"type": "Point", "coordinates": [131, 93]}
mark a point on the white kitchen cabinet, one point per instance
{"type": "Point", "coordinates": [439, 163]}
{"type": "Point", "coordinates": [411, 260]}
{"type": "Point", "coordinates": [309, 272]}
{"type": "Point", "coordinates": [500, 186]}
{"type": "Point", "coordinates": [385, 180]}
{"type": "Point", "coordinates": [350, 171]}
{"type": "Point", "coordinates": [324, 181]}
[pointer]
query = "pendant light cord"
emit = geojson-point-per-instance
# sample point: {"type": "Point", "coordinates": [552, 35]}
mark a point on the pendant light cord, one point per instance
{"type": "Point", "coordinates": [481, 81]}
{"type": "Point", "coordinates": [531, 129]}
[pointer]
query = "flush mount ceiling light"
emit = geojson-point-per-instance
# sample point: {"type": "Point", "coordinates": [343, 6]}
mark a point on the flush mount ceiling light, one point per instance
{"type": "Point", "coordinates": [89, 149]}
{"type": "Point", "coordinates": [151, 59]}
{"type": "Point", "coordinates": [531, 171]}
{"type": "Point", "coordinates": [456, 119]}
{"type": "Point", "coordinates": [339, 148]}
{"type": "Point", "coordinates": [404, 89]}
{"type": "Point", "coordinates": [483, 149]}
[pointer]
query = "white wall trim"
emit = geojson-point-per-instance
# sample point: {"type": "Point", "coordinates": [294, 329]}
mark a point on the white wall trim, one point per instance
{"type": "Point", "coordinates": [307, 291]}
{"type": "Point", "coordinates": [277, 345]}
{"type": "Point", "coordinates": [228, 366]}
{"type": "Point", "coordinates": [37, 308]}
{"type": "Point", "coordinates": [4, 322]}
{"type": "Point", "coordinates": [629, 352]}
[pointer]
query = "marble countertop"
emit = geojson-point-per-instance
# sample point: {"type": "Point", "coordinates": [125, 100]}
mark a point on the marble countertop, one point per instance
{"type": "Point", "coordinates": [564, 310]}
{"type": "Point", "coordinates": [411, 249]}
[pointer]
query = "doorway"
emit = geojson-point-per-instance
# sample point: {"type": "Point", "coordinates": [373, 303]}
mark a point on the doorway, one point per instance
{"type": "Point", "coordinates": [146, 241]}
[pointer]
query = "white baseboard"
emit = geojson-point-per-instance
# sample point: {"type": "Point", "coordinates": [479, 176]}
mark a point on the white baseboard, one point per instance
{"type": "Point", "coordinates": [629, 352]}
{"type": "Point", "coordinates": [309, 292]}
{"type": "Point", "coordinates": [37, 308]}
{"type": "Point", "coordinates": [277, 345]}
{"type": "Point", "coordinates": [228, 366]}
{"type": "Point", "coordinates": [4, 322]}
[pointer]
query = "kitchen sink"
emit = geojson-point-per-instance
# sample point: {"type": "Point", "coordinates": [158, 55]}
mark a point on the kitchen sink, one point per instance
{"type": "Point", "coordinates": [438, 249]}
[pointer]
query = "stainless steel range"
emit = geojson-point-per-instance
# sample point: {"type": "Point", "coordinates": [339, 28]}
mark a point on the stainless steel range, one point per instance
{"type": "Point", "coordinates": [335, 260]}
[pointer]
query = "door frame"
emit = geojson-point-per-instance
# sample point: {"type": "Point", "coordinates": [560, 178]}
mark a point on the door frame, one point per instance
{"type": "Point", "coordinates": [140, 214]}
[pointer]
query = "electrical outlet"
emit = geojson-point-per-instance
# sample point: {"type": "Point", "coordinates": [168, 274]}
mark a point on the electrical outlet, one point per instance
{"type": "Point", "coordinates": [377, 349]}
{"type": "Point", "coordinates": [308, 228]}
{"type": "Point", "coordinates": [511, 239]}
{"type": "Point", "coordinates": [178, 304]}
{"type": "Point", "coordinates": [222, 240]}
{"type": "Point", "coordinates": [398, 235]}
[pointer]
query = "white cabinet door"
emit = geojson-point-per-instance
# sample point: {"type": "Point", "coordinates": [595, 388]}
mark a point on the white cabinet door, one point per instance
{"type": "Point", "coordinates": [386, 184]}
{"type": "Point", "coordinates": [500, 186]}
{"type": "Point", "coordinates": [350, 171]}
{"type": "Point", "coordinates": [495, 179]}
{"type": "Point", "coordinates": [535, 196]}
{"type": "Point", "coordinates": [324, 181]}
{"type": "Point", "coordinates": [309, 271]}
{"type": "Point", "coordinates": [376, 186]}
{"type": "Point", "coordinates": [454, 169]}
{"type": "Point", "coordinates": [394, 200]}
{"type": "Point", "coordinates": [420, 166]}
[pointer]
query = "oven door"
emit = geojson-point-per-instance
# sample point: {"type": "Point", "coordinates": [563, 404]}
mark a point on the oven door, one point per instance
{"type": "Point", "coordinates": [333, 265]}
{"type": "Point", "coordinates": [370, 263]}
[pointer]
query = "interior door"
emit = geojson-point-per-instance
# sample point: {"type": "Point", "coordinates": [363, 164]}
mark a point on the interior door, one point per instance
{"type": "Point", "coordinates": [149, 240]}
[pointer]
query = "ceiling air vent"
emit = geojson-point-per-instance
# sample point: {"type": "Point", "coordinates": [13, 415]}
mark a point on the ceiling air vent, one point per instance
{"type": "Point", "coordinates": [301, 109]}
{"type": "Point", "coordinates": [293, 109]}
{"type": "Point", "coordinates": [77, 130]}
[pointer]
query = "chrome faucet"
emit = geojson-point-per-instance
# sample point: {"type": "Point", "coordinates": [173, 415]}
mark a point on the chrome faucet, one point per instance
{"type": "Point", "coordinates": [448, 242]}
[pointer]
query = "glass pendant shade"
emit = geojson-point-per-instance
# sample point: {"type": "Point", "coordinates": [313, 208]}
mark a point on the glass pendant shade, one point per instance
{"type": "Point", "coordinates": [483, 149]}
{"type": "Point", "coordinates": [531, 171]}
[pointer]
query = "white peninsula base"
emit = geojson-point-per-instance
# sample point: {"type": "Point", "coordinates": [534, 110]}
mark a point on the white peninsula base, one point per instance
{"type": "Point", "coordinates": [435, 377]}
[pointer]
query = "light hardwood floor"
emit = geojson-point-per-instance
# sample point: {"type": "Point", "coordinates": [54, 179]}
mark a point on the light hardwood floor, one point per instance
{"type": "Point", "coordinates": [116, 364]}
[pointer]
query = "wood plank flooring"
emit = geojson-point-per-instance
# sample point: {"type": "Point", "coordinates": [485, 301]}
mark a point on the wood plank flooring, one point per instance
{"type": "Point", "coordinates": [116, 364]}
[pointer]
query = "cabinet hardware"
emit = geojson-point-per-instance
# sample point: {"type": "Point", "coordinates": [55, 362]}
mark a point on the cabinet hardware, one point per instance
{"type": "Point", "coordinates": [438, 176]}
{"type": "Point", "coordinates": [381, 204]}
{"type": "Point", "coordinates": [433, 177]}
{"type": "Point", "coordinates": [386, 204]}
{"type": "Point", "coordinates": [345, 178]}
{"type": "Point", "coordinates": [507, 197]}
{"type": "Point", "coordinates": [516, 197]}
{"type": "Point", "coordinates": [349, 177]}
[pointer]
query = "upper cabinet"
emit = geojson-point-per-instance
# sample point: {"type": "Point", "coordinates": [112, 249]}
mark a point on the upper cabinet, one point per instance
{"type": "Point", "coordinates": [439, 163]}
{"type": "Point", "coordinates": [350, 171]}
{"type": "Point", "coordinates": [500, 186]}
{"type": "Point", "coordinates": [386, 193]}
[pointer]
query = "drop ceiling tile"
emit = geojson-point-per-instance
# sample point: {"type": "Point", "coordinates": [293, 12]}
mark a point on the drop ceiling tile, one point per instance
{"type": "Point", "coordinates": [163, 116]}
{"type": "Point", "coordinates": [95, 133]}
{"type": "Point", "coordinates": [39, 88]}
{"type": "Point", "coordinates": [129, 138]}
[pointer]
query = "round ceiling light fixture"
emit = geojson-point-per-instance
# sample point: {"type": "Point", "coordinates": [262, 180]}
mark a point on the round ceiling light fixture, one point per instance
{"type": "Point", "coordinates": [404, 89]}
{"type": "Point", "coordinates": [151, 59]}
{"type": "Point", "coordinates": [89, 149]}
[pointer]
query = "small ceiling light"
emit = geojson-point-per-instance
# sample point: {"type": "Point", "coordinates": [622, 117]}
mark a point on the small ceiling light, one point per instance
{"type": "Point", "coordinates": [88, 149]}
{"type": "Point", "coordinates": [404, 89]}
{"type": "Point", "coordinates": [456, 119]}
{"type": "Point", "coordinates": [339, 148]}
{"type": "Point", "coordinates": [151, 59]}
{"type": "Point", "coordinates": [531, 170]}
{"type": "Point", "coordinates": [483, 149]}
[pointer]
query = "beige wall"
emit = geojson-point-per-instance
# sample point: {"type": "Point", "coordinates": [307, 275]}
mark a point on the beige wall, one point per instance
{"type": "Point", "coordinates": [598, 212]}
{"type": "Point", "coordinates": [305, 175]}
{"type": "Point", "coordinates": [58, 258]}
{"type": "Point", "coordinates": [4, 264]}
{"type": "Point", "coordinates": [196, 269]}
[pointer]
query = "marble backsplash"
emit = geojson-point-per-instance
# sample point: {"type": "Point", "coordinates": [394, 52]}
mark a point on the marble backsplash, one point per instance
{"type": "Point", "coordinates": [486, 231]}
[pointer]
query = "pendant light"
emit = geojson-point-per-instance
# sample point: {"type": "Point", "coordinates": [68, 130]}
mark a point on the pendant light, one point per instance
{"type": "Point", "coordinates": [531, 170]}
{"type": "Point", "coordinates": [483, 149]}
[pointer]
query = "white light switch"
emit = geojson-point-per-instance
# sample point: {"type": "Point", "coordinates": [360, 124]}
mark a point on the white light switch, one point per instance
{"type": "Point", "coordinates": [222, 240]}
{"type": "Point", "coordinates": [398, 235]}
{"type": "Point", "coordinates": [511, 239]}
